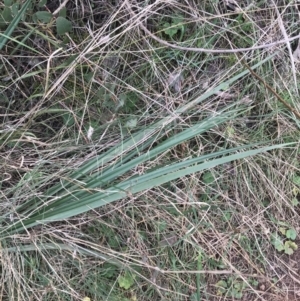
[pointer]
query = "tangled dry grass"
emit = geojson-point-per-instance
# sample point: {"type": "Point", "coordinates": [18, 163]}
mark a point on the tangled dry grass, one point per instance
{"type": "Point", "coordinates": [125, 65]}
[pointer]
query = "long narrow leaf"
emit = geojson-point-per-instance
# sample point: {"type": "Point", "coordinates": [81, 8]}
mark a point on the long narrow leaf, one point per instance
{"type": "Point", "coordinates": [13, 24]}
{"type": "Point", "coordinates": [84, 194]}
{"type": "Point", "coordinates": [112, 173]}
{"type": "Point", "coordinates": [139, 137]}
{"type": "Point", "coordinates": [89, 195]}
{"type": "Point", "coordinates": [144, 135]}
{"type": "Point", "coordinates": [126, 188]}
{"type": "Point", "coordinates": [79, 190]}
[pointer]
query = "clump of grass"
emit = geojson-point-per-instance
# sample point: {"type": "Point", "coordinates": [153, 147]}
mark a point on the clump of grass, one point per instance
{"type": "Point", "coordinates": [132, 170]}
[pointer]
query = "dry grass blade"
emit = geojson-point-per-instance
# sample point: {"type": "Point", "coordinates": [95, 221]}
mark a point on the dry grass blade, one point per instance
{"type": "Point", "coordinates": [139, 160]}
{"type": "Point", "coordinates": [291, 109]}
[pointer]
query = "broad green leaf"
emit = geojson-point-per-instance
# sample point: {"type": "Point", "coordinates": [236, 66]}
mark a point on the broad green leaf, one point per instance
{"type": "Point", "coordinates": [15, 9]}
{"type": "Point", "coordinates": [42, 3]}
{"type": "Point", "coordinates": [126, 281]}
{"type": "Point", "coordinates": [7, 2]}
{"type": "Point", "coordinates": [277, 242]}
{"type": "Point", "coordinates": [236, 294]}
{"type": "Point", "coordinates": [170, 30]}
{"type": "Point", "coordinates": [63, 25]}
{"type": "Point", "coordinates": [208, 177]}
{"type": "Point", "coordinates": [63, 12]}
{"type": "Point", "coordinates": [7, 14]}
{"type": "Point", "coordinates": [296, 180]}
{"type": "Point", "coordinates": [177, 19]}
{"type": "Point", "coordinates": [295, 202]}
{"type": "Point", "coordinates": [279, 247]}
{"type": "Point", "coordinates": [291, 234]}
{"type": "Point", "coordinates": [131, 123]}
{"type": "Point", "coordinates": [44, 16]}
{"type": "Point", "coordinates": [222, 287]}
{"type": "Point", "coordinates": [282, 230]}
{"type": "Point", "coordinates": [290, 247]}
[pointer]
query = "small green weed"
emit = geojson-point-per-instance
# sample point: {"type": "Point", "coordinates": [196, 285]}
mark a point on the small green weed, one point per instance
{"type": "Point", "coordinates": [63, 25]}
{"type": "Point", "coordinates": [296, 190]}
{"type": "Point", "coordinates": [296, 180]}
{"type": "Point", "coordinates": [285, 244]}
{"type": "Point", "coordinates": [233, 287]}
{"type": "Point", "coordinates": [126, 281]}
{"type": "Point", "coordinates": [174, 26]}
{"type": "Point", "coordinates": [11, 9]}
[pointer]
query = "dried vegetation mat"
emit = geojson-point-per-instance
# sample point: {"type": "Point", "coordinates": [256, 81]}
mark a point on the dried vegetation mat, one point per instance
{"type": "Point", "coordinates": [141, 159]}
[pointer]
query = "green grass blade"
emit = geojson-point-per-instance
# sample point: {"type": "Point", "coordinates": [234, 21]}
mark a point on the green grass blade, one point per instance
{"type": "Point", "coordinates": [143, 135]}
{"type": "Point", "coordinates": [94, 200]}
{"type": "Point", "coordinates": [9, 30]}
{"type": "Point", "coordinates": [111, 173]}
